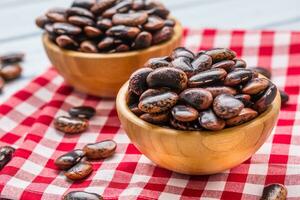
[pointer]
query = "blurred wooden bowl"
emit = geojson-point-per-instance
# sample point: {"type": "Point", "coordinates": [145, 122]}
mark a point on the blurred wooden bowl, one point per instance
{"type": "Point", "coordinates": [103, 74]}
{"type": "Point", "coordinates": [197, 152]}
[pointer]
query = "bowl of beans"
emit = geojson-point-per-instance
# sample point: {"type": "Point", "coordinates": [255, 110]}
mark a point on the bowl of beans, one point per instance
{"type": "Point", "coordinates": [198, 113]}
{"type": "Point", "coordinates": [96, 45]}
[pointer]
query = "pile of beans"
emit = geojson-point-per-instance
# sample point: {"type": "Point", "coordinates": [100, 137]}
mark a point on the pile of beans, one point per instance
{"type": "Point", "coordinates": [74, 163]}
{"type": "Point", "coordinates": [209, 90]}
{"type": "Point", "coordinates": [108, 25]}
{"type": "Point", "coordinates": [6, 153]}
{"type": "Point", "coordinates": [10, 67]}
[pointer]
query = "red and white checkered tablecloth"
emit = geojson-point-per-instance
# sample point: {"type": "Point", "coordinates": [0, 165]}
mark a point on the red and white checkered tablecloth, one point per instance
{"type": "Point", "coordinates": [26, 122]}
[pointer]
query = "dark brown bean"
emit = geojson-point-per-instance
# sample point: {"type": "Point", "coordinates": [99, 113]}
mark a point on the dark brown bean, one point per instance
{"type": "Point", "coordinates": [41, 21]}
{"type": "Point", "coordinates": [263, 71]}
{"type": "Point", "coordinates": [226, 106]}
{"type": "Point", "coordinates": [182, 52]}
{"type": "Point", "coordinates": [159, 11]}
{"type": "Point", "coordinates": [100, 150]}
{"type": "Point", "coordinates": [225, 64]}
{"type": "Point", "coordinates": [106, 43]}
{"type": "Point", "coordinates": [201, 63]}
{"type": "Point", "coordinates": [284, 97]}
{"type": "Point", "coordinates": [210, 121]}
{"type": "Point", "coordinates": [245, 115]}
{"type": "Point", "coordinates": [154, 23]}
{"type": "Point", "coordinates": [65, 28]}
{"type": "Point", "coordinates": [186, 126]}
{"type": "Point", "coordinates": [11, 72]}
{"type": "Point", "coordinates": [92, 32]}
{"type": "Point", "coordinates": [138, 80]}
{"type": "Point", "coordinates": [142, 40]}
{"type": "Point", "coordinates": [131, 98]}
{"type": "Point", "coordinates": [245, 98]}
{"type": "Point", "coordinates": [217, 90]}
{"type": "Point", "coordinates": [50, 30]}
{"type": "Point", "coordinates": [220, 54]}
{"type": "Point", "coordinates": [122, 48]}
{"type": "Point", "coordinates": [122, 31]}
{"type": "Point", "coordinates": [56, 17]}
{"type": "Point", "coordinates": [101, 6]}
{"type": "Point", "coordinates": [83, 3]}
{"type": "Point", "coordinates": [162, 35]}
{"type": "Point", "coordinates": [184, 64]}
{"type": "Point", "coordinates": [199, 98]}
{"type": "Point", "coordinates": [104, 24]}
{"type": "Point", "coordinates": [153, 92]}
{"type": "Point", "coordinates": [121, 7]}
{"type": "Point", "coordinates": [156, 118]}
{"type": "Point", "coordinates": [70, 125]}
{"type": "Point", "coordinates": [274, 191]}
{"type": "Point", "coordinates": [65, 41]}
{"type": "Point", "coordinates": [79, 12]}
{"type": "Point", "coordinates": [84, 112]}
{"type": "Point", "coordinates": [88, 47]}
{"type": "Point", "coordinates": [80, 21]}
{"type": "Point", "coordinates": [266, 98]}
{"type": "Point", "coordinates": [239, 63]}
{"type": "Point", "coordinates": [184, 113]}
{"type": "Point", "coordinates": [207, 77]}
{"type": "Point", "coordinates": [80, 195]}
{"type": "Point", "coordinates": [68, 160]}
{"type": "Point", "coordinates": [255, 86]}
{"type": "Point", "coordinates": [138, 4]}
{"type": "Point", "coordinates": [135, 109]}
{"type": "Point", "coordinates": [238, 76]}
{"type": "Point", "coordinates": [158, 103]}
{"type": "Point", "coordinates": [170, 22]}
{"type": "Point", "coordinates": [12, 58]}
{"type": "Point", "coordinates": [155, 63]}
{"type": "Point", "coordinates": [6, 153]}
{"type": "Point", "coordinates": [130, 19]}
{"type": "Point", "coordinates": [167, 77]}
{"type": "Point", "coordinates": [79, 171]}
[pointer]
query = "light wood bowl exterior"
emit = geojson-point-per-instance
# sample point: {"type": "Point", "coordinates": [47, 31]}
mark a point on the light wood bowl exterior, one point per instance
{"type": "Point", "coordinates": [197, 152]}
{"type": "Point", "coordinates": [103, 74]}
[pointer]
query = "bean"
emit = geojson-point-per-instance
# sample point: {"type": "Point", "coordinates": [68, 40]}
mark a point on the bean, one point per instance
{"type": "Point", "coordinates": [217, 90]}
{"type": "Point", "coordinates": [182, 52]}
{"type": "Point", "coordinates": [11, 72]}
{"type": "Point", "coordinates": [106, 43]}
{"type": "Point", "coordinates": [80, 195]}
{"type": "Point", "coordinates": [159, 11]}
{"type": "Point", "coordinates": [266, 99]}
{"type": "Point", "coordinates": [80, 12]}
{"type": "Point", "coordinates": [88, 47]}
{"type": "Point", "coordinates": [65, 28]}
{"type": "Point", "coordinates": [208, 77]}
{"type": "Point", "coordinates": [104, 23]}
{"type": "Point", "coordinates": [70, 125]}
{"type": "Point", "coordinates": [142, 40]}
{"type": "Point", "coordinates": [154, 23]}
{"type": "Point", "coordinates": [263, 71]}
{"type": "Point", "coordinates": [239, 63]}
{"type": "Point", "coordinates": [226, 106]}
{"type": "Point", "coordinates": [155, 63]}
{"type": "Point", "coordinates": [56, 17]}
{"type": "Point", "coordinates": [68, 160]}
{"type": "Point", "coordinates": [184, 113]}
{"type": "Point", "coordinates": [184, 64]}
{"type": "Point", "coordinates": [100, 150]}
{"type": "Point", "coordinates": [80, 21]}
{"type": "Point", "coordinates": [167, 77]}
{"type": "Point", "coordinates": [6, 154]}
{"type": "Point", "coordinates": [138, 80]}
{"type": "Point", "coordinates": [202, 62]}
{"type": "Point", "coordinates": [130, 19]}
{"type": "Point", "coordinates": [156, 118]}
{"type": "Point", "coordinates": [225, 64]}
{"type": "Point", "coordinates": [162, 35]}
{"type": "Point", "coordinates": [66, 41]}
{"type": "Point", "coordinates": [245, 98]}
{"type": "Point", "coordinates": [210, 121]}
{"type": "Point", "coordinates": [41, 21]}
{"type": "Point", "coordinates": [220, 54]}
{"type": "Point", "coordinates": [92, 32]}
{"type": "Point", "coordinates": [185, 126]}
{"type": "Point", "coordinates": [84, 112]}
{"type": "Point", "coordinates": [255, 86]}
{"type": "Point", "coordinates": [122, 31]}
{"type": "Point", "coordinates": [199, 98]}
{"type": "Point", "coordinates": [245, 115]}
{"type": "Point", "coordinates": [170, 22]}
{"type": "Point", "coordinates": [237, 77]}
{"type": "Point", "coordinates": [79, 171]}
{"type": "Point", "coordinates": [12, 58]}
{"type": "Point", "coordinates": [83, 3]}
{"type": "Point", "coordinates": [101, 6]}
{"type": "Point", "coordinates": [274, 191]}
{"type": "Point", "coordinates": [135, 109]}
{"type": "Point", "coordinates": [284, 97]}
{"type": "Point", "coordinates": [121, 7]}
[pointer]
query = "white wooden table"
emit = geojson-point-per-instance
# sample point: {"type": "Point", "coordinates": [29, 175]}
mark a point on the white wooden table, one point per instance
{"type": "Point", "coordinates": [19, 33]}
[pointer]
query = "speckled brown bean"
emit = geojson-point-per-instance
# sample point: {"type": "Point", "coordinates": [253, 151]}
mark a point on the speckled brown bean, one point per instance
{"type": "Point", "coordinates": [185, 126]}
{"type": "Point", "coordinates": [130, 19]}
{"type": "Point", "coordinates": [210, 121]}
{"type": "Point", "coordinates": [226, 106]}
{"type": "Point", "coordinates": [6, 153]}
{"type": "Point", "coordinates": [199, 98]}
{"type": "Point", "coordinates": [84, 112]}
{"type": "Point", "coordinates": [68, 160]}
{"type": "Point", "coordinates": [201, 63]}
{"type": "Point", "coordinates": [207, 77]}
{"type": "Point", "coordinates": [245, 115]}
{"type": "Point", "coordinates": [255, 86]}
{"type": "Point", "coordinates": [83, 3]}
{"type": "Point", "coordinates": [101, 6]}
{"type": "Point", "coordinates": [155, 63]}
{"type": "Point", "coordinates": [184, 64]}
{"type": "Point", "coordinates": [154, 23]}
{"type": "Point", "coordinates": [70, 125]}
{"type": "Point", "coordinates": [66, 28]}
{"type": "Point", "coordinates": [106, 43]}
{"type": "Point", "coordinates": [225, 64]}
{"type": "Point", "coordinates": [217, 90]}
{"type": "Point", "coordinates": [239, 63]}
{"type": "Point", "coordinates": [263, 71]}
{"type": "Point", "coordinates": [142, 40]}
{"type": "Point", "coordinates": [238, 76]}
{"type": "Point", "coordinates": [162, 35]}
{"type": "Point", "coordinates": [156, 118]}
{"type": "Point", "coordinates": [137, 81]}
{"type": "Point", "coordinates": [66, 41]}
{"type": "Point", "coordinates": [245, 98]}
{"type": "Point", "coordinates": [80, 195]}
{"type": "Point", "coordinates": [100, 150]}
{"type": "Point", "coordinates": [124, 32]}
{"type": "Point", "coordinates": [184, 113]}
{"type": "Point", "coordinates": [167, 77]}
{"type": "Point", "coordinates": [274, 191]}
{"type": "Point", "coordinates": [135, 109]}
{"type": "Point", "coordinates": [120, 6]}
{"type": "Point", "coordinates": [56, 17]}
{"type": "Point", "coordinates": [152, 92]}
{"type": "Point", "coordinates": [88, 47]}
{"type": "Point", "coordinates": [79, 12]}
{"type": "Point", "coordinates": [104, 23]}
{"type": "Point", "coordinates": [284, 97]}
{"type": "Point", "coordinates": [92, 32]}
{"type": "Point", "coordinates": [41, 21]}
{"type": "Point", "coordinates": [220, 54]}
{"type": "Point", "coordinates": [79, 171]}
{"type": "Point", "coordinates": [11, 72]}
{"type": "Point", "coordinates": [266, 99]}
{"type": "Point", "coordinates": [182, 52]}
{"type": "Point", "coordinates": [158, 103]}
{"type": "Point", "coordinates": [80, 21]}
{"type": "Point", "coordinates": [12, 58]}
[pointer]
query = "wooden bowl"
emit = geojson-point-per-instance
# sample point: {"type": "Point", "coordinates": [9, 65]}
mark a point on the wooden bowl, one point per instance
{"type": "Point", "coordinates": [197, 152]}
{"type": "Point", "coordinates": [103, 74]}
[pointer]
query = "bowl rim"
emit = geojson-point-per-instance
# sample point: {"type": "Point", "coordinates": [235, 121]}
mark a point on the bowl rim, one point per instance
{"type": "Point", "coordinates": [123, 109]}
{"type": "Point", "coordinates": [178, 31]}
